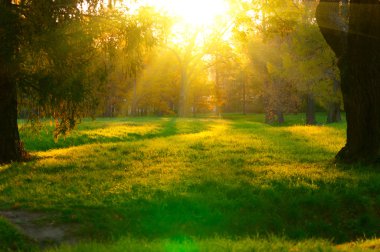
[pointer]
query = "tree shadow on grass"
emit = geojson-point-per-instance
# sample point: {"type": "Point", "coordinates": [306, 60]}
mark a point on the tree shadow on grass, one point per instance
{"type": "Point", "coordinates": [336, 212]}
{"type": "Point", "coordinates": [340, 210]}
{"type": "Point", "coordinates": [235, 197]}
{"type": "Point", "coordinates": [337, 205]}
{"type": "Point", "coordinates": [166, 127]}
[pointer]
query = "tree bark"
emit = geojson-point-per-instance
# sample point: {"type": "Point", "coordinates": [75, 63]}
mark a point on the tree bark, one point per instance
{"type": "Point", "coordinates": [244, 94]}
{"type": "Point", "coordinates": [182, 106]}
{"type": "Point", "coordinates": [280, 117]}
{"type": "Point", "coordinates": [358, 51]}
{"type": "Point", "coordinates": [10, 145]}
{"type": "Point", "coordinates": [333, 113]}
{"type": "Point", "coordinates": [134, 98]}
{"type": "Point", "coordinates": [269, 113]}
{"type": "Point", "coordinates": [310, 110]}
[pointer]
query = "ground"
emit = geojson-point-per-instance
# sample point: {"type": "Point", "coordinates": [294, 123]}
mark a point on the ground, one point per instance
{"type": "Point", "coordinates": [169, 184]}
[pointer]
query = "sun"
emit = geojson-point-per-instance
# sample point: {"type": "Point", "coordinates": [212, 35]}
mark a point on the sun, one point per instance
{"type": "Point", "coordinates": [193, 12]}
{"type": "Point", "coordinates": [190, 16]}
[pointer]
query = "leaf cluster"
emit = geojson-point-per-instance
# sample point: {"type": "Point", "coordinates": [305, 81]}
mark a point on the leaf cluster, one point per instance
{"type": "Point", "coordinates": [68, 51]}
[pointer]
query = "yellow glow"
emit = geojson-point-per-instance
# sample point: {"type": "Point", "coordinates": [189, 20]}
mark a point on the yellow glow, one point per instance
{"type": "Point", "coordinates": [190, 16]}
{"type": "Point", "coordinates": [193, 12]}
{"type": "Point", "coordinates": [190, 12]}
{"type": "Point", "coordinates": [120, 131]}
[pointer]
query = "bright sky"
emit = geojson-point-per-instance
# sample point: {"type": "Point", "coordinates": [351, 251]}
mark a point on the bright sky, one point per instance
{"type": "Point", "coordinates": [190, 15]}
{"type": "Point", "coordinates": [193, 12]}
{"type": "Point", "coordinates": [190, 12]}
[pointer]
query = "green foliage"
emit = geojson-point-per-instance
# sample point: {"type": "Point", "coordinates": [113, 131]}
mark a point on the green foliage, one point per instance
{"type": "Point", "coordinates": [160, 179]}
{"type": "Point", "coordinates": [159, 84]}
{"type": "Point", "coordinates": [311, 64]}
{"type": "Point", "coordinates": [71, 55]}
{"type": "Point", "coordinates": [59, 78]}
{"type": "Point", "coordinates": [289, 57]}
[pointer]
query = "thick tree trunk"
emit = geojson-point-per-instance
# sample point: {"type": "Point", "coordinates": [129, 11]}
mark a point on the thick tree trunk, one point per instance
{"type": "Point", "coordinates": [358, 50]}
{"type": "Point", "coordinates": [10, 145]}
{"type": "Point", "coordinates": [310, 110]}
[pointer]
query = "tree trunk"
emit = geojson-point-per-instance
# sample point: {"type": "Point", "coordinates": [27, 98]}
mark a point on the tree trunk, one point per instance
{"type": "Point", "coordinates": [182, 106]}
{"type": "Point", "coordinates": [333, 113]}
{"type": "Point", "coordinates": [244, 95]}
{"type": "Point", "coordinates": [268, 106]}
{"type": "Point", "coordinates": [310, 110]}
{"type": "Point", "coordinates": [269, 113]}
{"type": "Point", "coordinates": [134, 98]}
{"type": "Point", "coordinates": [358, 50]}
{"type": "Point", "coordinates": [108, 108]}
{"type": "Point", "coordinates": [280, 117]}
{"type": "Point", "coordinates": [10, 145]}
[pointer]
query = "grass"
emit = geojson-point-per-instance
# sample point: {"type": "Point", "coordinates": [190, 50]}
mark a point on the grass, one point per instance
{"type": "Point", "coordinates": [215, 244]}
{"type": "Point", "coordinates": [200, 184]}
{"type": "Point", "coordinates": [11, 238]}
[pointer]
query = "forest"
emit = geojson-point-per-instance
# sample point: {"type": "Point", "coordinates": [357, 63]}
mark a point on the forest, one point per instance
{"type": "Point", "coordinates": [223, 125]}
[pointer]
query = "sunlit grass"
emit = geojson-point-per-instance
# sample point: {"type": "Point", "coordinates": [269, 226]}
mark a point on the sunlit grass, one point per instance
{"type": "Point", "coordinates": [115, 131]}
{"type": "Point", "coordinates": [233, 178]}
{"type": "Point", "coordinates": [312, 135]}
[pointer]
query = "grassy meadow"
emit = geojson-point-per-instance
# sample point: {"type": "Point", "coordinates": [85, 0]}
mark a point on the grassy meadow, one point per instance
{"type": "Point", "coordinates": [193, 184]}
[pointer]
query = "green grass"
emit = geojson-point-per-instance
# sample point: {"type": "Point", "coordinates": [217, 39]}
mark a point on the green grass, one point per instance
{"type": "Point", "coordinates": [215, 245]}
{"type": "Point", "coordinates": [11, 239]}
{"type": "Point", "coordinates": [202, 184]}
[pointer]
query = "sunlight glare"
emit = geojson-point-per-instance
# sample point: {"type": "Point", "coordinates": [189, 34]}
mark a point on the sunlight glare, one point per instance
{"type": "Point", "coordinates": [189, 16]}
{"type": "Point", "coordinates": [193, 12]}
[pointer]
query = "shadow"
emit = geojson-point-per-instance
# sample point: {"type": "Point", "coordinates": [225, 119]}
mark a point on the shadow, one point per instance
{"type": "Point", "coordinates": [166, 127]}
{"type": "Point", "coordinates": [206, 188]}
{"type": "Point", "coordinates": [212, 208]}
{"type": "Point", "coordinates": [234, 199]}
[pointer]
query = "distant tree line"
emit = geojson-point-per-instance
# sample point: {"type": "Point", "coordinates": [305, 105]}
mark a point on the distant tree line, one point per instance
{"type": "Point", "coordinates": [273, 65]}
